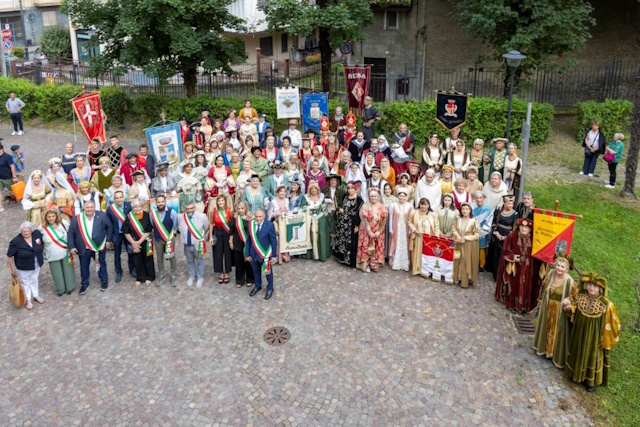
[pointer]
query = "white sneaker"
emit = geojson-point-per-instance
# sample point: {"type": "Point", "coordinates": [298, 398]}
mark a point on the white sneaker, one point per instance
{"type": "Point", "coordinates": [1, 209]}
{"type": "Point", "coordinates": [591, 175]}
{"type": "Point", "coordinates": [190, 281]}
{"type": "Point", "coordinates": [607, 182]}
{"type": "Point", "coordinates": [580, 173]}
{"type": "Point", "coordinates": [21, 133]}
{"type": "Point", "coordinates": [14, 133]}
{"type": "Point", "coordinates": [609, 186]}
{"type": "Point", "coordinates": [199, 283]}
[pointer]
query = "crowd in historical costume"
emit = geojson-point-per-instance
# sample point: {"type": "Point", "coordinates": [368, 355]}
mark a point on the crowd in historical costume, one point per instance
{"type": "Point", "coordinates": [370, 205]}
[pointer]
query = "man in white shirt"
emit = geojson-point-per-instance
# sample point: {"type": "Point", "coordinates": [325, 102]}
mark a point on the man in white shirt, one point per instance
{"type": "Point", "coordinates": [294, 134]}
{"type": "Point", "coordinates": [428, 187]}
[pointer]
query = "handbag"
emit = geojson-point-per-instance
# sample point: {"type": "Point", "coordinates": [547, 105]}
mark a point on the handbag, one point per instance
{"type": "Point", "coordinates": [609, 157]}
{"type": "Point", "coordinates": [16, 293]}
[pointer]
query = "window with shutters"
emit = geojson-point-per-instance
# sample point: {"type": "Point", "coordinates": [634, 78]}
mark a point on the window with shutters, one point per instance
{"type": "Point", "coordinates": [266, 46]}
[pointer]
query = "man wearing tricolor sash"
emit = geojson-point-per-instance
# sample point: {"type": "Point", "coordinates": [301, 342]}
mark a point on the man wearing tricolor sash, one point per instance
{"type": "Point", "coordinates": [193, 227]}
{"type": "Point", "coordinates": [117, 213]}
{"type": "Point", "coordinates": [88, 235]}
{"type": "Point", "coordinates": [259, 251]}
{"type": "Point", "coordinates": [165, 222]}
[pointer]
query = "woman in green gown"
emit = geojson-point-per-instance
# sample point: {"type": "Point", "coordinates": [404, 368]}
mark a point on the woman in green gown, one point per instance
{"type": "Point", "coordinates": [595, 331]}
{"type": "Point", "coordinates": [552, 328]}
{"type": "Point", "coordinates": [320, 240]}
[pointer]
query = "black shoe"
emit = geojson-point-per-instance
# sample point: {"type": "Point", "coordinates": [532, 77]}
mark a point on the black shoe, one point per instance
{"type": "Point", "coordinates": [268, 295]}
{"type": "Point", "coordinates": [134, 274]}
{"type": "Point", "coordinates": [104, 287]}
{"type": "Point", "coordinates": [482, 270]}
{"type": "Point", "coordinates": [254, 291]}
{"type": "Point", "coordinates": [83, 289]}
{"type": "Point", "coordinates": [591, 388]}
{"type": "Point", "coordinates": [60, 294]}
{"type": "Point", "coordinates": [69, 292]}
{"type": "Point", "coordinates": [118, 277]}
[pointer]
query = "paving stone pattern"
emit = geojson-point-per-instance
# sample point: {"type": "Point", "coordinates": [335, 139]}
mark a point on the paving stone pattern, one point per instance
{"type": "Point", "coordinates": [366, 349]}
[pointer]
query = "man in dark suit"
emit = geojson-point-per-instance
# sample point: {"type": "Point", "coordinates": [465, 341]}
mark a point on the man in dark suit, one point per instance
{"type": "Point", "coordinates": [148, 160]}
{"type": "Point", "coordinates": [117, 213]}
{"type": "Point", "coordinates": [259, 244]}
{"type": "Point", "coordinates": [88, 240]}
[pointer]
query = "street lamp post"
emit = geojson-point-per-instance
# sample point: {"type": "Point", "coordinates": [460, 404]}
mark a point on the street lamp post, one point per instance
{"type": "Point", "coordinates": [513, 58]}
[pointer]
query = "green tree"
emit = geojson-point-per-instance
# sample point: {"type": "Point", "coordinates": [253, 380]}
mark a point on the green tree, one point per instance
{"type": "Point", "coordinates": [56, 43]}
{"type": "Point", "coordinates": [545, 30]}
{"type": "Point", "coordinates": [335, 20]}
{"type": "Point", "coordinates": [163, 37]}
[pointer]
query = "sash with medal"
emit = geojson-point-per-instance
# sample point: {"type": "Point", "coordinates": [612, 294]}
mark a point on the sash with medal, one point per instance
{"type": "Point", "coordinates": [265, 254]}
{"type": "Point", "coordinates": [59, 241]}
{"type": "Point", "coordinates": [137, 226]}
{"type": "Point", "coordinates": [169, 251]}
{"type": "Point", "coordinates": [88, 241]}
{"type": "Point", "coordinates": [197, 235]}
{"type": "Point", "coordinates": [225, 223]}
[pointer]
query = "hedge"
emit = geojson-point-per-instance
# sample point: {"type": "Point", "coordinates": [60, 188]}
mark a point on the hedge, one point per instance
{"type": "Point", "coordinates": [486, 119]}
{"type": "Point", "coordinates": [52, 102]}
{"type": "Point", "coordinates": [614, 116]}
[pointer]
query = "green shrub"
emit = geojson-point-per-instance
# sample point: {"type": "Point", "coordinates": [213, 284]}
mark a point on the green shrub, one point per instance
{"type": "Point", "coordinates": [53, 102]}
{"type": "Point", "coordinates": [115, 103]}
{"type": "Point", "coordinates": [614, 116]}
{"type": "Point", "coordinates": [18, 51]}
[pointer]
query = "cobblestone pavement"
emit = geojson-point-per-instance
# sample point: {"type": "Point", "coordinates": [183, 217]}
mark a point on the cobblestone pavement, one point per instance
{"type": "Point", "coordinates": [366, 349]}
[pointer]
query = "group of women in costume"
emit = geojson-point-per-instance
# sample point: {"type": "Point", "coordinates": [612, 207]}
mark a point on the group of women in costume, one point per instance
{"type": "Point", "coordinates": [365, 214]}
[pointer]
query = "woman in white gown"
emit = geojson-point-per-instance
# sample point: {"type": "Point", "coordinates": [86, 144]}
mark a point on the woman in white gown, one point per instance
{"type": "Point", "coordinates": [400, 233]}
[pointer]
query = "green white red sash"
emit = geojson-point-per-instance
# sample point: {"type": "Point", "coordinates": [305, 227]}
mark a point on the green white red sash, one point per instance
{"type": "Point", "coordinates": [240, 228]}
{"type": "Point", "coordinates": [59, 241]}
{"type": "Point", "coordinates": [137, 226]}
{"type": "Point", "coordinates": [117, 212]}
{"type": "Point", "coordinates": [265, 254]}
{"type": "Point", "coordinates": [88, 241]}
{"type": "Point", "coordinates": [162, 230]}
{"type": "Point", "coordinates": [196, 234]}
{"type": "Point", "coordinates": [224, 221]}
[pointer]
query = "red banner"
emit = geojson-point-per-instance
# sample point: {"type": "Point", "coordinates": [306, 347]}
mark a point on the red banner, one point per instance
{"type": "Point", "coordinates": [356, 81]}
{"type": "Point", "coordinates": [89, 113]}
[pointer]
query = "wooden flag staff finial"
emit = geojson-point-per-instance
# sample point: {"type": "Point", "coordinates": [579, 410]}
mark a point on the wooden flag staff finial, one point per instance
{"type": "Point", "coordinates": [556, 204]}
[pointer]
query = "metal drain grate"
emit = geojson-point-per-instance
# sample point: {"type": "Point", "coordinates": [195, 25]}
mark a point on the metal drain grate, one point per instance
{"type": "Point", "coordinates": [277, 335]}
{"type": "Point", "coordinates": [524, 325]}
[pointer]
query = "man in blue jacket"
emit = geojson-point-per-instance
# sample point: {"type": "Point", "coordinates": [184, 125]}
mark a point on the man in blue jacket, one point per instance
{"type": "Point", "coordinates": [87, 238]}
{"type": "Point", "coordinates": [260, 249]}
{"type": "Point", "coordinates": [117, 212]}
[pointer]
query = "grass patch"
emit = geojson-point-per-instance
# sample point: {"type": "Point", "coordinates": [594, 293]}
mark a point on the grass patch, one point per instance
{"type": "Point", "coordinates": [606, 241]}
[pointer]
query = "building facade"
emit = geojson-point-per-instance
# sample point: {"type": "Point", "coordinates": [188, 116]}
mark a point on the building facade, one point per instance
{"type": "Point", "coordinates": [37, 15]}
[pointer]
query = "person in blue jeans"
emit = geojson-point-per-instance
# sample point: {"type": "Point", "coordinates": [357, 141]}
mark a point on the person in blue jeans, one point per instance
{"type": "Point", "coordinates": [14, 106]}
{"type": "Point", "coordinates": [87, 238]}
{"type": "Point", "coordinates": [615, 147]}
{"type": "Point", "coordinates": [594, 145]}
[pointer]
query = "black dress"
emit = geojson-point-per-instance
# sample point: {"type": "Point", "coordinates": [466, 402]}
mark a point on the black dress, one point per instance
{"type": "Point", "coordinates": [244, 272]}
{"type": "Point", "coordinates": [346, 241]}
{"type": "Point", "coordinates": [142, 262]}
{"type": "Point", "coordinates": [503, 224]}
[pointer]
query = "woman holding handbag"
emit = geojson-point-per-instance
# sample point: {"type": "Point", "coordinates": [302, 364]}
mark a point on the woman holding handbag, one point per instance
{"type": "Point", "coordinates": [594, 145]}
{"type": "Point", "coordinates": [24, 258]}
{"type": "Point", "coordinates": [612, 156]}
{"type": "Point", "coordinates": [56, 253]}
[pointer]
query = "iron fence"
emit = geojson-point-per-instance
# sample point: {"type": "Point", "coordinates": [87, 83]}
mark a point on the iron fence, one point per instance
{"type": "Point", "coordinates": [562, 89]}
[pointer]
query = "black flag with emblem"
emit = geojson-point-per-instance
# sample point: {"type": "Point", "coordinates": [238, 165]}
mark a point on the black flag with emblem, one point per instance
{"type": "Point", "coordinates": [451, 109]}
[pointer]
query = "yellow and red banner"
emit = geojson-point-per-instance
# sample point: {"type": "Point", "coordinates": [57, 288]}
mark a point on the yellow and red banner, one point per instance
{"type": "Point", "coordinates": [89, 112]}
{"type": "Point", "coordinates": [552, 234]}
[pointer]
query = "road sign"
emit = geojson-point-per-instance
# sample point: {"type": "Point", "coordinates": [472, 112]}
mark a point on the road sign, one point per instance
{"type": "Point", "coordinates": [7, 44]}
{"type": "Point", "coordinates": [346, 48]}
{"type": "Point", "coordinates": [6, 34]}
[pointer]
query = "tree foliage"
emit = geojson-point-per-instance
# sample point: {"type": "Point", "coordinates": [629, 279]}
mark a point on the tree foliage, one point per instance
{"type": "Point", "coordinates": [544, 30]}
{"type": "Point", "coordinates": [56, 43]}
{"type": "Point", "coordinates": [335, 20]}
{"type": "Point", "coordinates": [163, 37]}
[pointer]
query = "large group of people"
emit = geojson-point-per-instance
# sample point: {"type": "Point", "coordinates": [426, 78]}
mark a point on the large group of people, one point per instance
{"type": "Point", "coordinates": [370, 203]}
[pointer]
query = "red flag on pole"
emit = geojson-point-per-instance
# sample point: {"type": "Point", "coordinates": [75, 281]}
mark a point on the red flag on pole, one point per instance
{"type": "Point", "coordinates": [356, 80]}
{"type": "Point", "coordinates": [89, 112]}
